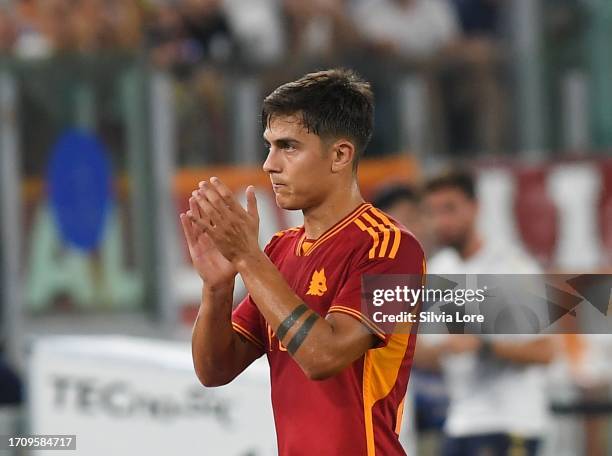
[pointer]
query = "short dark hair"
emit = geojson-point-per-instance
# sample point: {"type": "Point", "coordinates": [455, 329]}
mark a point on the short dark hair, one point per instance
{"type": "Point", "coordinates": [461, 180]}
{"type": "Point", "coordinates": [392, 194]}
{"type": "Point", "coordinates": [332, 103]}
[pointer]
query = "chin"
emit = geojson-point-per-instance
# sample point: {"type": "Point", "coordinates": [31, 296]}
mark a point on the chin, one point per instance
{"type": "Point", "coordinates": [287, 204]}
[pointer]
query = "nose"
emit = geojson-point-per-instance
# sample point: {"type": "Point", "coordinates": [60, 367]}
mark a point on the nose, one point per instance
{"type": "Point", "coordinates": [271, 165]}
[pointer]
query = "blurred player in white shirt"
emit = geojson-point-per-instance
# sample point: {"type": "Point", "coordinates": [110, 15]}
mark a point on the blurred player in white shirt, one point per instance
{"type": "Point", "coordinates": [496, 383]}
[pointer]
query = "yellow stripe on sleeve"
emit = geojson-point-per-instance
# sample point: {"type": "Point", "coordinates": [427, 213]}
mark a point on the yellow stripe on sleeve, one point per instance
{"type": "Point", "coordinates": [374, 234]}
{"type": "Point", "coordinates": [398, 234]}
{"type": "Point", "coordinates": [384, 230]}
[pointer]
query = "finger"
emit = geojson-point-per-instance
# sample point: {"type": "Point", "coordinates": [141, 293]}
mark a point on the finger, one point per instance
{"type": "Point", "coordinates": [188, 230]}
{"type": "Point", "coordinates": [194, 209]}
{"type": "Point", "coordinates": [252, 202]}
{"type": "Point", "coordinates": [199, 218]}
{"type": "Point", "coordinates": [200, 223]}
{"type": "Point", "coordinates": [225, 193]}
{"type": "Point", "coordinates": [209, 213]}
{"type": "Point", "coordinates": [214, 198]}
{"type": "Point", "coordinates": [202, 185]}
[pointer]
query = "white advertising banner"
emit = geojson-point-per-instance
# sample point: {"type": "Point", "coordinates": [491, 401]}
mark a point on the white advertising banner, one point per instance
{"type": "Point", "coordinates": [126, 396]}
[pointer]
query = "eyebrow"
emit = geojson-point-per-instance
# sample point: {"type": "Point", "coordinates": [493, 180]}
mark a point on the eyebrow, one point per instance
{"type": "Point", "coordinates": [287, 140]}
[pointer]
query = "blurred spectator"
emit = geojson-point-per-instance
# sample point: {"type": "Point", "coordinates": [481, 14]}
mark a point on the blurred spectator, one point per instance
{"type": "Point", "coordinates": [317, 29]}
{"type": "Point", "coordinates": [90, 25]}
{"type": "Point", "coordinates": [496, 383]}
{"type": "Point", "coordinates": [105, 25]}
{"type": "Point", "coordinates": [451, 44]}
{"type": "Point", "coordinates": [127, 20]}
{"type": "Point", "coordinates": [406, 28]}
{"type": "Point", "coordinates": [184, 34]}
{"type": "Point", "coordinates": [258, 28]}
{"type": "Point", "coordinates": [207, 29]}
{"type": "Point", "coordinates": [45, 28]}
{"type": "Point", "coordinates": [393, 35]}
{"type": "Point", "coordinates": [29, 39]}
{"type": "Point", "coordinates": [473, 112]}
{"type": "Point", "coordinates": [166, 37]}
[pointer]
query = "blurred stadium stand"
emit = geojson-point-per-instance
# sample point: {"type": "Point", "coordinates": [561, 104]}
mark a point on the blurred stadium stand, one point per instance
{"type": "Point", "coordinates": [171, 89]}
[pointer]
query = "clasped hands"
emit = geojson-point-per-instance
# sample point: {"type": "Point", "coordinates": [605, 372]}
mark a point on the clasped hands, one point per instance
{"type": "Point", "coordinates": [215, 213]}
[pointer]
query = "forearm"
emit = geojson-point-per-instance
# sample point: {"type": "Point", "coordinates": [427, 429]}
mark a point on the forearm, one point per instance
{"type": "Point", "coordinates": [272, 294]}
{"type": "Point", "coordinates": [213, 338]}
{"type": "Point", "coordinates": [540, 351]}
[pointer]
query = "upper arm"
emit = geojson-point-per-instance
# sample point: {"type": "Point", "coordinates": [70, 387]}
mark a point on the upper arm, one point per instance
{"type": "Point", "coordinates": [245, 352]}
{"type": "Point", "coordinates": [249, 341]}
{"type": "Point", "coordinates": [351, 339]}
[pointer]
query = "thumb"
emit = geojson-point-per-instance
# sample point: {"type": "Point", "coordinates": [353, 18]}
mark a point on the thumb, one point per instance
{"type": "Point", "coordinates": [251, 202]}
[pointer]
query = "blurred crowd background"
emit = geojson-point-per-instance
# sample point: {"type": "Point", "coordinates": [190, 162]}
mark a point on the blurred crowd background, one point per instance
{"type": "Point", "coordinates": [482, 76]}
{"type": "Point", "coordinates": [158, 94]}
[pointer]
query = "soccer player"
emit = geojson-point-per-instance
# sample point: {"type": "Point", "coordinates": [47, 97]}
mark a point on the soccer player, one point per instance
{"type": "Point", "coordinates": [337, 379]}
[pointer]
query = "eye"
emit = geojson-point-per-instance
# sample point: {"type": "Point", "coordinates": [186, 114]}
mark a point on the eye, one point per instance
{"type": "Point", "coordinates": [267, 145]}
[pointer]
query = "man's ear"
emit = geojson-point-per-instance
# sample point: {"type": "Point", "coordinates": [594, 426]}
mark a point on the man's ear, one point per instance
{"type": "Point", "coordinates": [343, 152]}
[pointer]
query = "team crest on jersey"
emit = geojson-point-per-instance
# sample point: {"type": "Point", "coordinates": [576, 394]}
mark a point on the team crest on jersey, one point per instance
{"type": "Point", "coordinates": [318, 283]}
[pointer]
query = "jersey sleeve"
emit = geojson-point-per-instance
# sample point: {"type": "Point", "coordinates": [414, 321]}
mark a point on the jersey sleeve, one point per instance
{"type": "Point", "coordinates": [246, 321]}
{"type": "Point", "coordinates": [409, 259]}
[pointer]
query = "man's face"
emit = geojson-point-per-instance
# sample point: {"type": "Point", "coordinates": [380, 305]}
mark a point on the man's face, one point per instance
{"type": "Point", "coordinates": [298, 164]}
{"type": "Point", "coordinates": [452, 215]}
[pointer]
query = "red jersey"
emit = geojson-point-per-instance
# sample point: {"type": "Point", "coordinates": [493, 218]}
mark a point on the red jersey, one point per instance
{"type": "Point", "coordinates": [359, 410]}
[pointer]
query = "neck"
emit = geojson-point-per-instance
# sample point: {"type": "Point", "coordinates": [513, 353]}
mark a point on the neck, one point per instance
{"type": "Point", "coordinates": [471, 246]}
{"type": "Point", "coordinates": [319, 219]}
